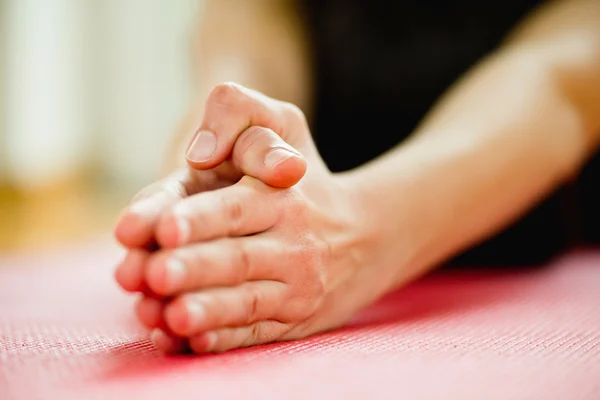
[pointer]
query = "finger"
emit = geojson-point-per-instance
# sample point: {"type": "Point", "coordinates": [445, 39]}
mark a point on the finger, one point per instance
{"type": "Point", "coordinates": [135, 228]}
{"type": "Point", "coordinates": [232, 338]}
{"type": "Point", "coordinates": [167, 343]}
{"type": "Point", "coordinates": [242, 209]}
{"type": "Point", "coordinates": [223, 262]}
{"type": "Point", "coordinates": [230, 110]}
{"type": "Point", "coordinates": [261, 153]}
{"type": "Point", "coordinates": [194, 313]}
{"type": "Point", "coordinates": [130, 273]}
{"type": "Point", "coordinates": [150, 312]}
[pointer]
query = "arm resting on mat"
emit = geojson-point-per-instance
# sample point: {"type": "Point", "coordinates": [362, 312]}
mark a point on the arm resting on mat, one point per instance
{"type": "Point", "coordinates": [518, 124]}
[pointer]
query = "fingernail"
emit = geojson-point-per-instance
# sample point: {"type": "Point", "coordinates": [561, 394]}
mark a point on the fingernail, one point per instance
{"type": "Point", "coordinates": [195, 313]}
{"type": "Point", "coordinates": [203, 147]}
{"type": "Point", "coordinates": [175, 274]}
{"type": "Point", "coordinates": [162, 341]}
{"type": "Point", "coordinates": [277, 156]}
{"type": "Point", "coordinates": [166, 343]}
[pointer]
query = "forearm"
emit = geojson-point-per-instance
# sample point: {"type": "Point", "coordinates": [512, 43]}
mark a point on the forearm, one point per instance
{"type": "Point", "coordinates": [513, 129]}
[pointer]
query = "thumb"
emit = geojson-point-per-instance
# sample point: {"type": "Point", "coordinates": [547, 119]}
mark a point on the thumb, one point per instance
{"type": "Point", "coordinates": [261, 153]}
{"type": "Point", "coordinates": [230, 109]}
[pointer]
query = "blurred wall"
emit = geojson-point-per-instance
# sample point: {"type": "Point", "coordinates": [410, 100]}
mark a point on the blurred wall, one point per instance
{"type": "Point", "coordinates": [89, 93]}
{"type": "Point", "coordinates": [91, 82]}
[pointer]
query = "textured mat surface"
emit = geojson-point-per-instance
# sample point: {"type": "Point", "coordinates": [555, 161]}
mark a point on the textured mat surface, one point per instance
{"type": "Point", "coordinates": [67, 332]}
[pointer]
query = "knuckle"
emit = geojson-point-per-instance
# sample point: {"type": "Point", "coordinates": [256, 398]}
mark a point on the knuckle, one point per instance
{"type": "Point", "coordinates": [253, 303]}
{"type": "Point", "coordinates": [255, 335]}
{"type": "Point", "coordinates": [295, 202]}
{"type": "Point", "coordinates": [294, 113]}
{"type": "Point", "coordinates": [175, 187]}
{"type": "Point", "coordinates": [256, 132]}
{"type": "Point", "coordinates": [233, 210]}
{"type": "Point", "coordinates": [296, 211]}
{"type": "Point", "coordinates": [225, 94]}
{"type": "Point", "coordinates": [250, 137]}
{"type": "Point", "coordinates": [243, 262]}
{"type": "Point", "coordinates": [294, 208]}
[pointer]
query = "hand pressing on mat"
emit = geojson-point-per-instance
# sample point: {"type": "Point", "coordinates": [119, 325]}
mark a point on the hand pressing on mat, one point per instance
{"type": "Point", "coordinates": [258, 259]}
{"type": "Point", "coordinates": [256, 152]}
{"type": "Point", "coordinates": [248, 155]}
{"type": "Point", "coordinates": [252, 262]}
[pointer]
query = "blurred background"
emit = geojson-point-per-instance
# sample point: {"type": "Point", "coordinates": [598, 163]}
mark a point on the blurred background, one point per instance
{"type": "Point", "coordinates": [89, 92]}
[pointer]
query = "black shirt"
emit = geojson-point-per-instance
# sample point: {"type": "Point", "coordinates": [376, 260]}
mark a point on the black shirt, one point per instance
{"type": "Point", "coordinates": [380, 65]}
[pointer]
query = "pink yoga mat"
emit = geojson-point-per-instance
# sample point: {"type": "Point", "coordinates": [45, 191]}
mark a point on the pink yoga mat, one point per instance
{"type": "Point", "coordinates": [67, 332]}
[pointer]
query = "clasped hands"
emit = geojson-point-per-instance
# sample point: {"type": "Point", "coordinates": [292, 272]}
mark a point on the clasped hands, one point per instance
{"type": "Point", "coordinates": [255, 241]}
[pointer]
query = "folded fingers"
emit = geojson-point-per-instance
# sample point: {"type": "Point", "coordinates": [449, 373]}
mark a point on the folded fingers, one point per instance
{"type": "Point", "coordinates": [245, 208]}
{"type": "Point", "coordinates": [225, 339]}
{"type": "Point", "coordinates": [136, 226]}
{"type": "Point", "coordinates": [223, 262]}
{"type": "Point", "coordinates": [194, 313]}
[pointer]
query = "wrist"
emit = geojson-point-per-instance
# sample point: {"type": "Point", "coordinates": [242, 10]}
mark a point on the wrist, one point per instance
{"type": "Point", "coordinates": [385, 222]}
{"type": "Point", "coordinates": [413, 199]}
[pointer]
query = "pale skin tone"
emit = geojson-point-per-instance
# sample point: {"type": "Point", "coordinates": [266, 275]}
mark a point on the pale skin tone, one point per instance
{"type": "Point", "coordinates": [259, 242]}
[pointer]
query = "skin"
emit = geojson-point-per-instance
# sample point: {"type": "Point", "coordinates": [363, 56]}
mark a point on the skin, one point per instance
{"type": "Point", "coordinates": [234, 250]}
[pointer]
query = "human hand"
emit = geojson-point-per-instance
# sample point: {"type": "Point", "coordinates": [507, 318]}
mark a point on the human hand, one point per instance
{"type": "Point", "coordinates": [240, 151]}
{"type": "Point", "coordinates": [251, 263]}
